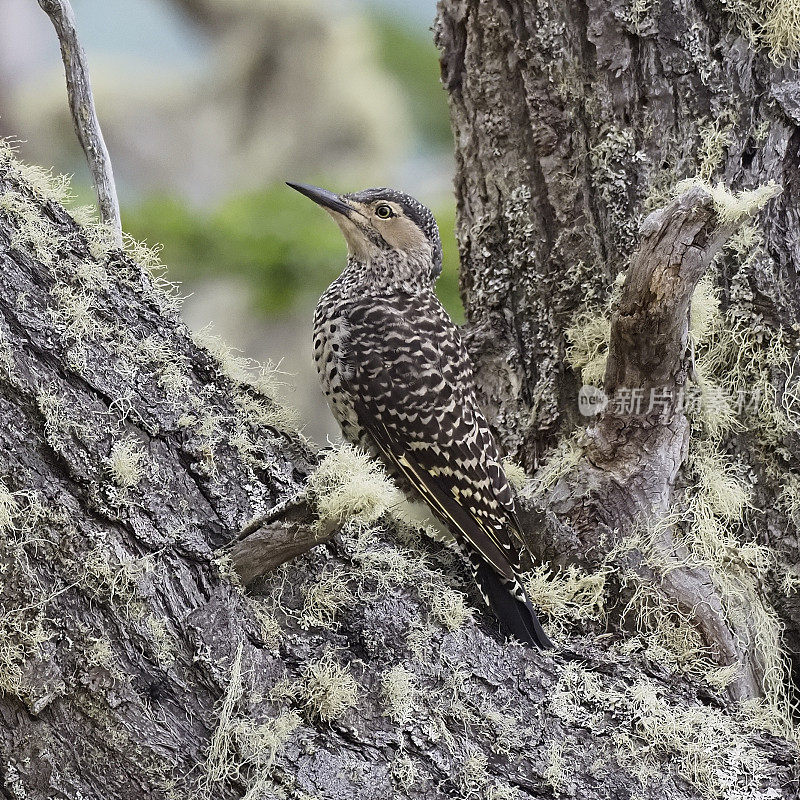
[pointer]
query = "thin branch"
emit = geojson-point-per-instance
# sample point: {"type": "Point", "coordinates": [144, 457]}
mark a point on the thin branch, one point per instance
{"type": "Point", "coordinates": [84, 116]}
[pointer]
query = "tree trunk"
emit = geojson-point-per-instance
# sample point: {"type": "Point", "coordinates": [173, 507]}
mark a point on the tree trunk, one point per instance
{"type": "Point", "coordinates": [572, 122]}
{"type": "Point", "coordinates": [133, 664]}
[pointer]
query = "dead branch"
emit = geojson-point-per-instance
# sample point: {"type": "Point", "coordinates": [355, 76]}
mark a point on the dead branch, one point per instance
{"type": "Point", "coordinates": [286, 532]}
{"type": "Point", "coordinates": [84, 116]}
{"type": "Point", "coordinates": [633, 451]}
{"type": "Point", "coordinates": [272, 545]}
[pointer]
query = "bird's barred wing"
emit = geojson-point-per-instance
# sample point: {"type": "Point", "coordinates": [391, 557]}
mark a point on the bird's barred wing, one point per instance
{"type": "Point", "coordinates": [410, 380]}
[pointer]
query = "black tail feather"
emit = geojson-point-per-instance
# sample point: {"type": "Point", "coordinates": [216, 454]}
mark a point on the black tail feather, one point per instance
{"type": "Point", "coordinates": [516, 616]}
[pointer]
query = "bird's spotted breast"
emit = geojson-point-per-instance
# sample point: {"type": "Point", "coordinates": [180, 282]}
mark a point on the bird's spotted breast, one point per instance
{"type": "Point", "coordinates": [331, 342]}
{"type": "Point", "coordinates": [393, 367]}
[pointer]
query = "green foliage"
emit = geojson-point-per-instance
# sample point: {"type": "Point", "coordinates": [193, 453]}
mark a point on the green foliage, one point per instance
{"type": "Point", "coordinates": [273, 238]}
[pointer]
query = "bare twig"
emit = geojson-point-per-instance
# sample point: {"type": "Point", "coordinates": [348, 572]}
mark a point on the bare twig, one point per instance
{"type": "Point", "coordinates": [84, 116]}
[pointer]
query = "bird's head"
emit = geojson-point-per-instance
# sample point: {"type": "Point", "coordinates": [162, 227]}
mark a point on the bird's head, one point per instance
{"type": "Point", "coordinates": [385, 229]}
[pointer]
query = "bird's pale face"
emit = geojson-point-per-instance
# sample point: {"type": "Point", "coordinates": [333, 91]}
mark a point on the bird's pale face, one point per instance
{"type": "Point", "coordinates": [386, 219]}
{"type": "Point", "coordinates": [378, 222]}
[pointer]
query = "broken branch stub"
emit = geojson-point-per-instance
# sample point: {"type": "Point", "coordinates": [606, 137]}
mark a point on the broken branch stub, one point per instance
{"type": "Point", "coordinates": [624, 480]}
{"type": "Point", "coordinates": [649, 329]}
{"type": "Point", "coordinates": [276, 538]}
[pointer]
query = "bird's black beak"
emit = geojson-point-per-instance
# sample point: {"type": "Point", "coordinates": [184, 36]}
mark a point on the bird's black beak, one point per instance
{"type": "Point", "coordinates": [323, 197]}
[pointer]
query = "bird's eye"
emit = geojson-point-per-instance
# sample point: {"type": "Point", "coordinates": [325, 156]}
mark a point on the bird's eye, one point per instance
{"type": "Point", "coordinates": [384, 212]}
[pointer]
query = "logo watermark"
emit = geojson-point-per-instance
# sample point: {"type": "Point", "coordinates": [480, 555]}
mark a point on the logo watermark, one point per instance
{"type": "Point", "coordinates": [592, 401]}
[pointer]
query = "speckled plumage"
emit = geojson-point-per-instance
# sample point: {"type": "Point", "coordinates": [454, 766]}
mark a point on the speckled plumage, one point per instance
{"type": "Point", "coordinates": [399, 382]}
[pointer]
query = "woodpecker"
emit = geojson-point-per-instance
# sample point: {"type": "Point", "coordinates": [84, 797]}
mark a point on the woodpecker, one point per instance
{"type": "Point", "coordinates": [398, 380]}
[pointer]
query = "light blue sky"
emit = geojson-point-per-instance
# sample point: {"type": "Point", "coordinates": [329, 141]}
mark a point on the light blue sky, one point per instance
{"type": "Point", "coordinates": [152, 27]}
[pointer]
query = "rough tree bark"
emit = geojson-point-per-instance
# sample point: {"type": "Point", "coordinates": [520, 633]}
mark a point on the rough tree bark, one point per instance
{"type": "Point", "coordinates": [134, 664]}
{"type": "Point", "coordinates": [572, 121]}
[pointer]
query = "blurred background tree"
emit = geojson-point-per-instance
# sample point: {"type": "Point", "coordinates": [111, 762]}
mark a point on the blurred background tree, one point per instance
{"type": "Point", "coordinates": [207, 107]}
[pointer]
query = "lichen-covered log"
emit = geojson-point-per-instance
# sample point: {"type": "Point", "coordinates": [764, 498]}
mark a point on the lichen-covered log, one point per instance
{"type": "Point", "coordinates": [573, 121]}
{"type": "Point", "coordinates": [133, 664]}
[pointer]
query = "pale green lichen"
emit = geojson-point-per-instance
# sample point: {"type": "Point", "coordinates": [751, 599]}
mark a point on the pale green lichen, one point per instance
{"type": "Point", "coordinates": [100, 653]}
{"type": "Point", "coordinates": [448, 606]}
{"type": "Point", "coordinates": [780, 28]}
{"type": "Point", "coordinates": [259, 744]}
{"type": "Point", "coordinates": [9, 508]}
{"type": "Point", "coordinates": [236, 367]}
{"type": "Point", "coordinates": [264, 410]}
{"type": "Point", "coordinates": [568, 597]}
{"type": "Point", "coordinates": [324, 597]}
{"type": "Point", "coordinates": [404, 772]}
{"type": "Point", "coordinates": [113, 574]}
{"type": "Point", "coordinates": [704, 313]}
{"type": "Point", "coordinates": [55, 188]}
{"type": "Point", "coordinates": [22, 634]}
{"type": "Point", "coordinates": [640, 15]}
{"type": "Point", "coordinates": [563, 458]}
{"type": "Point", "coordinates": [268, 625]}
{"type": "Point", "coordinates": [473, 773]}
{"type": "Point", "coordinates": [125, 464]}
{"type": "Point", "coordinates": [771, 24]}
{"type": "Point", "coordinates": [399, 693]}
{"type": "Point", "coordinates": [262, 379]}
{"type": "Point", "coordinates": [705, 746]}
{"type": "Point", "coordinates": [219, 765]}
{"type": "Point", "coordinates": [515, 474]}
{"type": "Point", "coordinates": [73, 314]}
{"type": "Point", "coordinates": [241, 749]}
{"type": "Point", "coordinates": [7, 360]}
{"type": "Point", "coordinates": [715, 137]}
{"type": "Point", "coordinates": [59, 426]}
{"type": "Point", "coordinates": [164, 643]}
{"type": "Point", "coordinates": [327, 689]}
{"type": "Point", "coordinates": [555, 771]}
{"type": "Point", "coordinates": [588, 337]}
{"type": "Point", "coordinates": [716, 752]}
{"type": "Point", "coordinates": [587, 349]}
{"type": "Point", "coordinates": [503, 791]}
{"type": "Point", "coordinates": [724, 491]}
{"type": "Point", "coordinates": [32, 229]}
{"type": "Point", "coordinates": [731, 206]}
{"type": "Point", "coordinates": [349, 485]}
{"type": "Point", "coordinates": [611, 159]}
{"type": "Point", "coordinates": [386, 565]}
